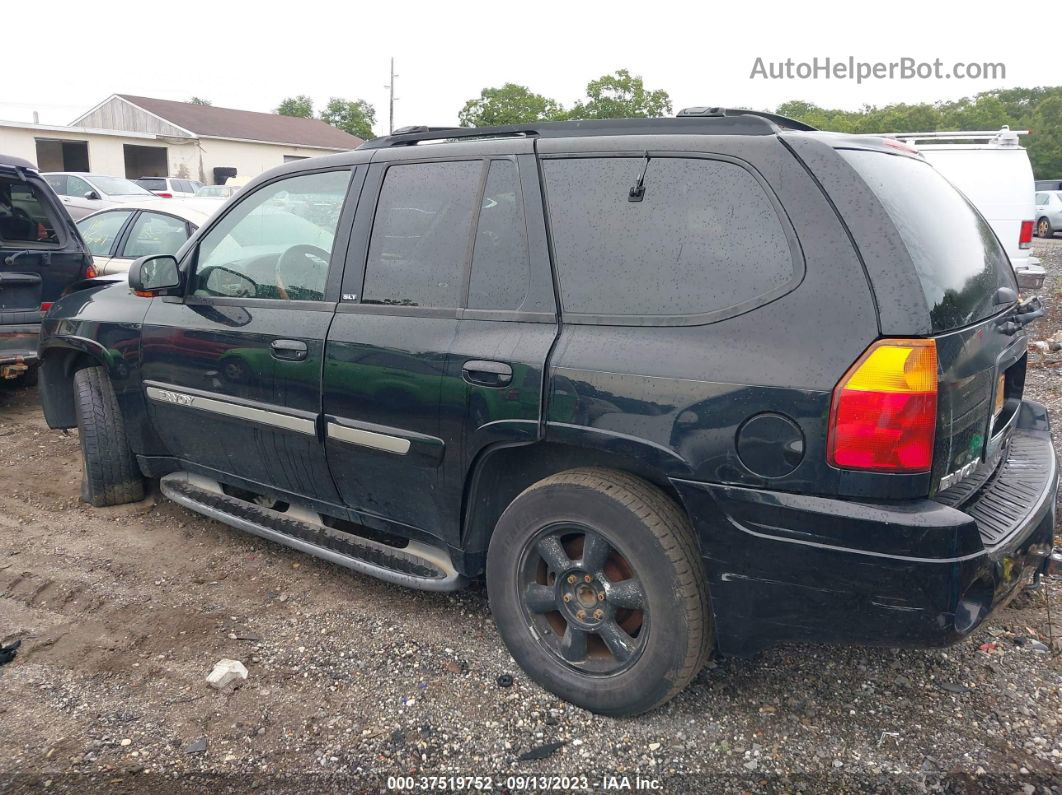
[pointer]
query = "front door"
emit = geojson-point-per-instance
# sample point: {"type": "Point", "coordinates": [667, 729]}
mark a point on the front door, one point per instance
{"type": "Point", "coordinates": [232, 373]}
{"type": "Point", "coordinates": [410, 373]}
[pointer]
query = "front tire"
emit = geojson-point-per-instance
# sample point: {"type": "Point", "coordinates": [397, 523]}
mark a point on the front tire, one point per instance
{"type": "Point", "coordinates": [111, 475]}
{"type": "Point", "coordinates": [1043, 228]}
{"type": "Point", "coordinates": [598, 591]}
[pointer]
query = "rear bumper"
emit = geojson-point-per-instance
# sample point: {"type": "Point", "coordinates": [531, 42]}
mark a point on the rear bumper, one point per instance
{"type": "Point", "coordinates": [1030, 274]}
{"type": "Point", "coordinates": [18, 347]}
{"type": "Point", "coordinates": [916, 573]}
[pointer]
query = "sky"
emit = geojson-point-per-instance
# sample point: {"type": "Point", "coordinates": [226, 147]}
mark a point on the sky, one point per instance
{"type": "Point", "coordinates": [252, 55]}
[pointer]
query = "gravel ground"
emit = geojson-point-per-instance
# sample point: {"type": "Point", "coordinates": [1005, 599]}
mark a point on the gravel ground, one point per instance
{"type": "Point", "coordinates": [122, 612]}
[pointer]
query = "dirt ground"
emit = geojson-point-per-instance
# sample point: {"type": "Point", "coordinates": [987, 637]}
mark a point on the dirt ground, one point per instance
{"type": "Point", "coordinates": [123, 612]}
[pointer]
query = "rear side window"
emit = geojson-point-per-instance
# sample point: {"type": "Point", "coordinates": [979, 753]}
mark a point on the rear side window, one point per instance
{"type": "Point", "coordinates": [500, 263]}
{"type": "Point", "coordinates": [959, 261]}
{"type": "Point", "coordinates": [24, 214]}
{"type": "Point", "coordinates": [704, 242]}
{"type": "Point", "coordinates": [421, 233]}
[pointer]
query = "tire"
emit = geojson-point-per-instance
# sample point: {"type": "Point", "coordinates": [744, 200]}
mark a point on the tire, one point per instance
{"type": "Point", "coordinates": [111, 475]}
{"type": "Point", "coordinates": [1043, 228]}
{"type": "Point", "coordinates": [651, 586]}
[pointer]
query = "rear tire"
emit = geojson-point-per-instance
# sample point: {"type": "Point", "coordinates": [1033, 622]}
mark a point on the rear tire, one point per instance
{"type": "Point", "coordinates": [598, 590]}
{"type": "Point", "coordinates": [111, 475]}
{"type": "Point", "coordinates": [1043, 228]}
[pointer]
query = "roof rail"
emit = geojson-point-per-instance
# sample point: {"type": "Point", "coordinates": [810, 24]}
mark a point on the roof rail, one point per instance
{"type": "Point", "coordinates": [712, 121]}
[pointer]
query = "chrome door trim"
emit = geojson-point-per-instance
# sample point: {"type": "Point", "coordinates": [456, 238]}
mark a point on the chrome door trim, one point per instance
{"type": "Point", "coordinates": [175, 396]}
{"type": "Point", "coordinates": [362, 438]}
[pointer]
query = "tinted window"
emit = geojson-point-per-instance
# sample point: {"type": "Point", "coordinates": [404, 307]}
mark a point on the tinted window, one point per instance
{"type": "Point", "coordinates": [704, 238]}
{"type": "Point", "coordinates": [155, 233]}
{"type": "Point", "coordinates": [24, 216]}
{"type": "Point", "coordinates": [420, 236]}
{"type": "Point", "coordinates": [959, 261]}
{"type": "Point", "coordinates": [152, 183]}
{"type": "Point", "coordinates": [100, 230]}
{"type": "Point", "coordinates": [276, 243]}
{"type": "Point", "coordinates": [500, 265]}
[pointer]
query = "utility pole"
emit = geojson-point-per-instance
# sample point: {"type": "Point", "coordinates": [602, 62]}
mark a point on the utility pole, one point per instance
{"type": "Point", "coordinates": [391, 87]}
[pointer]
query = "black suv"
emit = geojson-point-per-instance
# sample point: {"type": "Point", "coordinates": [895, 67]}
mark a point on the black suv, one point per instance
{"type": "Point", "coordinates": [41, 254]}
{"type": "Point", "coordinates": [671, 386]}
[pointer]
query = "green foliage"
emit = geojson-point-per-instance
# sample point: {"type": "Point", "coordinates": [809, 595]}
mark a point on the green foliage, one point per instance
{"type": "Point", "coordinates": [1037, 109]}
{"type": "Point", "coordinates": [355, 117]}
{"type": "Point", "coordinates": [620, 96]}
{"type": "Point", "coordinates": [509, 104]}
{"type": "Point", "coordinates": [301, 106]}
{"type": "Point", "coordinates": [200, 101]}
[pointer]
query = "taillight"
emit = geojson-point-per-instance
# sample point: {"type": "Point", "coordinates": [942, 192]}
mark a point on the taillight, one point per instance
{"type": "Point", "coordinates": [884, 412]}
{"type": "Point", "coordinates": [90, 271]}
{"type": "Point", "coordinates": [1026, 234]}
{"type": "Point", "coordinates": [164, 195]}
{"type": "Point", "coordinates": [46, 306]}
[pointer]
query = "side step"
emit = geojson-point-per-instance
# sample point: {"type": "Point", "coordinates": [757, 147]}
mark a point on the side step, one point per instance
{"type": "Point", "coordinates": [416, 565]}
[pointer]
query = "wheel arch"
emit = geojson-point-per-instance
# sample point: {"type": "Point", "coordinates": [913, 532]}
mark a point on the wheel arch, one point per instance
{"type": "Point", "coordinates": [500, 473]}
{"type": "Point", "coordinates": [59, 361]}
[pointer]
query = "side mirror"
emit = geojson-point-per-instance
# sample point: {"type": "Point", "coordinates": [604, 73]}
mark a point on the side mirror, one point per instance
{"type": "Point", "coordinates": [92, 196]}
{"type": "Point", "coordinates": [156, 274]}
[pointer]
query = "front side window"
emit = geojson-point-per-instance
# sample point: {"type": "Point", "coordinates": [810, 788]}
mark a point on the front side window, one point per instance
{"type": "Point", "coordinates": [500, 263]}
{"type": "Point", "coordinates": [420, 235]}
{"type": "Point", "coordinates": [75, 186]}
{"type": "Point", "coordinates": [58, 183]}
{"type": "Point", "coordinates": [703, 239]}
{"type": "Point", "coordinates": [155, 233]}
{"type": "Point", "coordinates": [100, 230]}
{"type": "Point", "coordinates": [276, 243]}
{"type": "Point", "coordinates": [24, 214]}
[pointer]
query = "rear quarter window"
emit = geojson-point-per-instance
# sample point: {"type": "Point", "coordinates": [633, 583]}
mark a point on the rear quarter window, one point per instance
{"type": "Point", "coordinates": [704, 243]}
{"type": "Point", "coordinates": [25, 215]}
{"type": "Point", "coordinates": [959, 261]}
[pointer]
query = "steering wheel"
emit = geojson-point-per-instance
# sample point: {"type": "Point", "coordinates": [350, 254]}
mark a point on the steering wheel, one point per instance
{"type": "Point", "coordinates": [307, 269]}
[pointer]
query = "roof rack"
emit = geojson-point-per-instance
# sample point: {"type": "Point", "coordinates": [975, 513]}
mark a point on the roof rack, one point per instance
{"type": "Point", "coordinates": [691, 121]}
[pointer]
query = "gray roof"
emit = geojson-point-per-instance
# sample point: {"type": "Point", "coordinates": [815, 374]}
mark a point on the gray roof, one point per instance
{"type": "Point", "coordinates": [211, 122]}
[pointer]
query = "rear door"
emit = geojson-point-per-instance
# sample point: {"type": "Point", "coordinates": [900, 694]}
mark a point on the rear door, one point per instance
{"type": "Point", "coordinates": [38, 257]}
{"type": "Point", "coordinates": [969, 291]}
{"type": "Point", "coordinates": [232, 373]}
{"type": "Point", "coordinates": [415, 384]}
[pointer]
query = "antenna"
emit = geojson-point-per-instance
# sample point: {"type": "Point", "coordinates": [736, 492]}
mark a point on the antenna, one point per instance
{"type": "Point", "coordinates": [391, 87]}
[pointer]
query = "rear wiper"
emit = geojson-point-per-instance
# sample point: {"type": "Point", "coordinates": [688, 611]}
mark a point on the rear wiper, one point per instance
{"type": "Point", "coordinates": [637, 192]}
{"type": "Point", "coordinates": [46, 256]}
{"type": "Point", "coordinates": [1025, 313]}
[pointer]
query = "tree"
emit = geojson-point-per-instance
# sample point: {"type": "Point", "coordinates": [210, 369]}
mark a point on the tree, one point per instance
{"type": "Point", "coordinates": [301, 106]}
{"type": "Point", "coordinates": [200, 101]}
{"type": "Point", "coordinates": [509, 104]}
{"type": "Point", "coordinates": [621, 96]}
{"type": "Point", "coordinates": [356, 117]}
{"type": "Point", "coordinates": [1045, 144]}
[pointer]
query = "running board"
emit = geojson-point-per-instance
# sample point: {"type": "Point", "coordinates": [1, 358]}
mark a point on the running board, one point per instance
{"type": "Point", "coordinates": [416, 565]}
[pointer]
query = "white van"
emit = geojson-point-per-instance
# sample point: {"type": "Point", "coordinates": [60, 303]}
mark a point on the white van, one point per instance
{"type": "Point", "coordinates": [993, 170]}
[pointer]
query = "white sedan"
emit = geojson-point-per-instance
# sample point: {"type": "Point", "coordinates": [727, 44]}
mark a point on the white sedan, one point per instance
{"type": "Point", "coordinates": [118, 235]}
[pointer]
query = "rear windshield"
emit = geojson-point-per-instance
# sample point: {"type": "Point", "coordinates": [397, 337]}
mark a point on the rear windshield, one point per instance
{"type": "Point", "coordinates": [24, 214]}
{"type": "Point", "coordinates": [152, 184]}
{"type": "Point", "coordinates": [959, 261]}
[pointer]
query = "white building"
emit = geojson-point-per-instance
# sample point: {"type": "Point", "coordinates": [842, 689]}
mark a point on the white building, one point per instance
{"type": "Point", "coordinates": [143, 137]}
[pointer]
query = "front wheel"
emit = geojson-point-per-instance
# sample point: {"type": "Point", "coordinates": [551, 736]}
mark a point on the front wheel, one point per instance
{"type": "Point", "coordinates": [598, 590]}
{"type": "Point", "coordinates": [1043, 228]}
{"type": "Point", "coordinates": [111, 475]}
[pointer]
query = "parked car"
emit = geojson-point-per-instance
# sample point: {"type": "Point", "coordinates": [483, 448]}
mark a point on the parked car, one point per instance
{"type": "Point", "coordinates": [117, 236]}
{"type": "Point", "coordinates": [217, 191]}
{"type": "Point", "coordinates": [676, 453]}
{"type": "Point", "coordinates": [1048, 212]}
{"type": "Point", "coordinates": [170, 188]}
{"type": "Point", "coordinates": [993, 170]}
{"type": "Point", "coordinates": [41, 254]}
{"type": "Point", "coordinates": [82, 194]}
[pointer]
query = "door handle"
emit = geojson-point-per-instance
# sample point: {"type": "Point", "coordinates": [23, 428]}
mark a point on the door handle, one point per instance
{"type": "Point", "coordinates": [487, 373]}
{"type": "Point", "coordinates": [292, 350]}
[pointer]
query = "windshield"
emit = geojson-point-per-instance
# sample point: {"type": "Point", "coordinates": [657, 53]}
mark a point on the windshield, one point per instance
{"type": "Point", "coordinates": [214, 192]}
{"type": "Point", "coordinates": [959, 261]}
{"type": "Point", "coordinates": [116, 186]}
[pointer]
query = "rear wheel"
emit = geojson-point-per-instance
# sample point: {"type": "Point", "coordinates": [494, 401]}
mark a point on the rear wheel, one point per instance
{"type": "Point", "coordinates": [598, 591]}
{"type": "Point", "coordinates": [111, 475]}
{"type": "Point", "coordinates": [1043, 228]}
